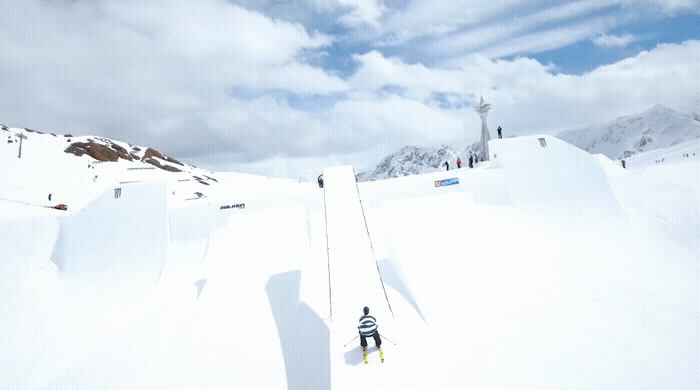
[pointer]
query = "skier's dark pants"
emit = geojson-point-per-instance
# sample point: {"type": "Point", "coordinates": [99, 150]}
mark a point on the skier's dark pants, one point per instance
{"type": "Point", "coordinates": [377, 339]}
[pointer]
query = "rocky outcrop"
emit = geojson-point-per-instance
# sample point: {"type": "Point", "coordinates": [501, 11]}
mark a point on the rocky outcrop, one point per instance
{"type": "Point", "coordinates": [100, 152]}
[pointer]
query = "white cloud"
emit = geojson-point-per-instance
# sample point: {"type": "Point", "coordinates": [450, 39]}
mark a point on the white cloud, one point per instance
{"type": "Point", "coordinates": [463, 24]}
{"type": "Point", "coordinates": [668, 74]}
{"type": "Point", "coordinates": [215, 30]}
{"type": "Point", "coordinates": [549, 39]}
{"type": "Point", "coordinates": [613, 41]}
{"type": "Point", "coordinates": [355, 13]}
{"type": "Point", "coordinates": [429, 18]}
{"type": "Point", "coordinates": [127, 68]}
{"type": "Point", "coordinates": [673, 6]}
{"type": "Point", "coordinates": [528, 98]}
{"type": "Point", "coordinates": [504, 28]}
{"type": "Point", "coordinates": [376, 72]}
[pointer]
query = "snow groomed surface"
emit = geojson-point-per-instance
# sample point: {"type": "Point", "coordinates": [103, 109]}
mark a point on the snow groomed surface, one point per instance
{"type": "Point", "coordinates": [355, 281]}
{"type": "Point", "coordinates": [354, 277]}
{"type": "Point", "coordinates": [545, 268]}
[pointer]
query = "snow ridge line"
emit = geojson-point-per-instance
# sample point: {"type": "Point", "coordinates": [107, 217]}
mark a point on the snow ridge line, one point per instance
{"type": "Point", "coordinates": [371, 245]}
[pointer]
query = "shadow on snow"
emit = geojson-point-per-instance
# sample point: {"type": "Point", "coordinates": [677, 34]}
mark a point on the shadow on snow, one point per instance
{"type": "Point", "coordinates": [392, 274]}
{"type": "Point", "coordinates": [304, 336]}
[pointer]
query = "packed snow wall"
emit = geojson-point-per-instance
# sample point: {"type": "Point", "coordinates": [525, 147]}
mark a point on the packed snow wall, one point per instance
{"type": "Point", "coordinates": [550, 175]}
{"type": "Point", "coordinates": [26, 245]}
{"type": "Point", "coordinates": [121, 236]}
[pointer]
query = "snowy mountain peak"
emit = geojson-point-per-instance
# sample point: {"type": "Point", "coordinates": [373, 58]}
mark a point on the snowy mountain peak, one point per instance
{"type": "Point", "coordinates": [656, 128]}
{"type": "Point", "coordinates": [659, 127]}
{"type": "Point", "coordinates": [412, 160]}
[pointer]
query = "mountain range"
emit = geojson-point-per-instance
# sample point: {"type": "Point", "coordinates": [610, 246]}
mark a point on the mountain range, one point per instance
{"type": "Point", "coordinates": [657, 128]}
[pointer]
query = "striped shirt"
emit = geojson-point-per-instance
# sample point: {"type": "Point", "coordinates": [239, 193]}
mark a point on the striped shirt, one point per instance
{"type": "Point", "coordinates": [368, 325]}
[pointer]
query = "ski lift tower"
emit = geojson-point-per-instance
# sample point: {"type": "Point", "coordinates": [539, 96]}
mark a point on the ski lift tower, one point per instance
{"type": "Point", "coordinates": [21, 137]}
{"type": "Point", "coordinates": [483, 109]}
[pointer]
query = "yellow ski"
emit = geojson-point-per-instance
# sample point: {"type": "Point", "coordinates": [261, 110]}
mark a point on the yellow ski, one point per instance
{"type": "Point", "coordinates": [381, 355]}
{"type": "Point", "coordinates": [364, 354]}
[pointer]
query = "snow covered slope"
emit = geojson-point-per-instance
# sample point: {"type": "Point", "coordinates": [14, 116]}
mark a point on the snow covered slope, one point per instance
{"type": "Point", "coordinates": [544, 268]}
{"type": "Point", "coordinates": [678, 164]}
{"type": "Point", "coordinates": [355, 281]}
{"type": "Point", "coordinates": [62, 169]}
{"type": "Point", "coordinates": [656, 128]}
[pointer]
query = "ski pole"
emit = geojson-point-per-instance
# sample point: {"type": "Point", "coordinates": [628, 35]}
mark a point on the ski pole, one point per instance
{"type": "Point", "coordinates": [387, 339]}
{"type": "Point", "coordinates": [351, 340]}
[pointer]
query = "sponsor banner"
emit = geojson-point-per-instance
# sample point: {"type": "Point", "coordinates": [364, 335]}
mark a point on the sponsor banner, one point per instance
{"type": "Point", "coordinates": [233, 206]}
{"type": "Point", "coordinates": [447, 182]}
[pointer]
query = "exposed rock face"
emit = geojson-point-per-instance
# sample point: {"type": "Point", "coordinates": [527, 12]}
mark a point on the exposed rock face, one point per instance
{"type": "Point", "coordinates": [99, 151]}
{"type": "Point", "coordinates": [150, 153]}
{"type": "Point", "coordinates": [157, 163]}
{"type": "Point", "coordinates": [106, 150]}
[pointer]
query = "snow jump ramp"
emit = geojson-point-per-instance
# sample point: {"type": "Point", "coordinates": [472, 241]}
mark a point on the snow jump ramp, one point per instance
{"type": "Point", "coordinates": [546, 174]}
{"type": "Point", "coordinates": [355, 281]}
{"type": "Point", "coordinates": [118, 240]}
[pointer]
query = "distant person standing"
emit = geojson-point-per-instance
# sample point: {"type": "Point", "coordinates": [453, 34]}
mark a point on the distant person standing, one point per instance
{"type": "Point", "coordinates": [459, 163]}
{"type": "Point", "coordinates": [447, 165]}
{"type": "Point", "coordinates": [499, 132]}
{"type": "Point", "coordinates": [471, 161]}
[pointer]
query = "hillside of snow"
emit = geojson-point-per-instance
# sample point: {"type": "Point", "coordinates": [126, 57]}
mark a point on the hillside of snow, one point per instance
{"type": "Point", "coordinates": [47, 169]}
{"type": "Point", "coordinates": [566, 271]}
{"type": "Point", "coordinates": [656, 128]}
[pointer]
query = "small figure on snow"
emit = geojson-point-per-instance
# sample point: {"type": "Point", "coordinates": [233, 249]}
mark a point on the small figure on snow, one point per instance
{"type": "Point", "coordinates": [447, 165]}
{"type": "Point", "coordinates": [499, 132]}
{"type": "Point", "coordinates": [471, 161]}
{"type": "Point", "coordinates": [368, 328]}
{"type": "Point", "coordinates": [459, 163]}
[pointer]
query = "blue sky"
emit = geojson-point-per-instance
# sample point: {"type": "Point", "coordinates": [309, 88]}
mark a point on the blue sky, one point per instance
{"type": "Point", "coordinates": [586, 55]}
{"type": "Point", "coordinates": [285, 88]}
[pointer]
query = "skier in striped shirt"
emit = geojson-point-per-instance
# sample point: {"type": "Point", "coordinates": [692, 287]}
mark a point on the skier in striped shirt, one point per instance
{"type": "Point", "coordinates": [368, 328]}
